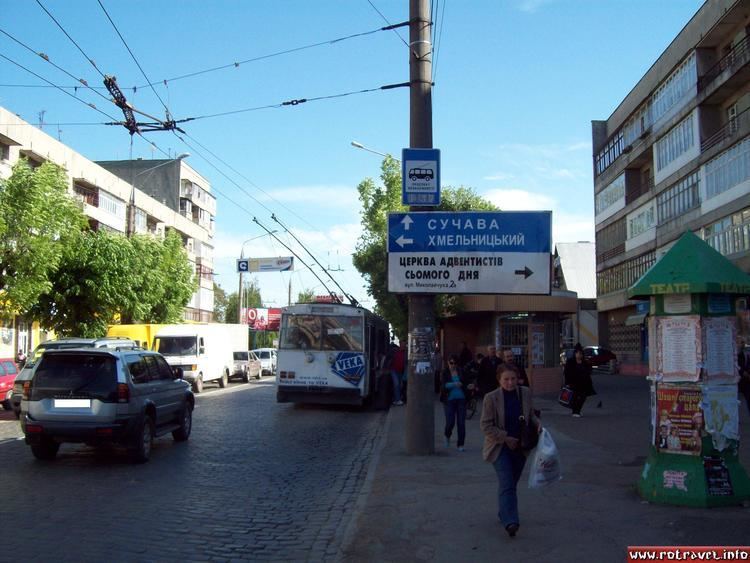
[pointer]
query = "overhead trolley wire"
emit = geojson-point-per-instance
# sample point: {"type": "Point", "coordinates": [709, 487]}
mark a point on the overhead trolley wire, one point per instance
{"type": "Point", "coordinates": [89, 104]}
{"type": "Point", "coordinates": [389, 23]}
{"type": "Point", "coordinates": [294, 102]}
{"type": "Point", "coordinates": [439, 40]}
{"type": "Point", "coordinates": [58, 67]}
{"type": "Point", "coordinates": [143, 72]}
{"type": "Point", "coordinates": [89, 59]}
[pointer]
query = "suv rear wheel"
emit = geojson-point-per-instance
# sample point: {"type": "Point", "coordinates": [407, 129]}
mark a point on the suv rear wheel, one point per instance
{"type": "Point", "coordinates": [186, 425]}
{"type": "Point", "coordinates": [46, 449]}
{"type": "Point", "coordinates": [142, 442]}
{"type": "Point", "coordinates": [198, 384]}
{"type": "Point", "coordinates": [224, 380]}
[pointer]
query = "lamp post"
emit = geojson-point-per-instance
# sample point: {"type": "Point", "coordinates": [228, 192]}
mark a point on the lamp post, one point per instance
{"type": "Point", "coordinates": [240, 292]}
{"type": "Point", "coordinates": [358, 145]}
{"type": "Point", "coordinates": [131, 204]}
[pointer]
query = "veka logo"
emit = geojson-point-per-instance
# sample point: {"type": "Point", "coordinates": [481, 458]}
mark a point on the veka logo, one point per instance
{"type": "Point", "coordinates": [349, 366]}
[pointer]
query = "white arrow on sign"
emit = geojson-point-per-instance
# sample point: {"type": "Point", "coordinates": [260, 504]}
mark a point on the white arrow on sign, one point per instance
{"type": "Point", "coordinates": [407, 221]}
{"type": "Point", "coordinates": [401, 241]}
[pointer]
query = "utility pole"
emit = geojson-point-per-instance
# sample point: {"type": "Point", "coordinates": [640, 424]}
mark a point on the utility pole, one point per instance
{"type": "Point", "coordinates": [420, 413]}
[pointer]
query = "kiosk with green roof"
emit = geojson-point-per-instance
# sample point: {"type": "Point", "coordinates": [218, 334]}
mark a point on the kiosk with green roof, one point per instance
{"type": "Point", "coordinates": [693, 458]}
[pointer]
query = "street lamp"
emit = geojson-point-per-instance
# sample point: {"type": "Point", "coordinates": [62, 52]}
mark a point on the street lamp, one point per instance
{"type": "Point", "coordinates": [240, 291]}
{"type": "Point", "coordinates": [131, 204]}
{"type": "Point", "coordinates": [364, 148]}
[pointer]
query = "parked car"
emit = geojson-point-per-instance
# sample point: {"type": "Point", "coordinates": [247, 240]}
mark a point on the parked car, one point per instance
{"type": "Point", "coordinates": [8, 373]}
{"type": "Point", "coordinates": [247, 366]}
{"type": "Point", "coordinates": [101, 396]}
{"type": "Point", "coordinates": [267, 360]}
{"type": "Point", "coordinates": [600, 357]}
{"type": "Point", "coordinates": [59, 344]}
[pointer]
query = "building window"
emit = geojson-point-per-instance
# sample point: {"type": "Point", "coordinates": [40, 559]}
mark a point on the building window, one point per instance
{"type": "Point", "coordinates": [610, 241]}
{"type": "Point", "coordinates": [679, 198]}
{"type": "Point", "coordinates": [674, 88]}
{"type": "Point", "coordinates": [141, 221]}
{"type": "Point", "coordinates": [731, 234]}
{"type": "Point", "coordinates": [642, 221]}
{"type": "Point", "coordinates": [675, 143]}
{"type": "Point", "coordinates": [111, 204]}
{"type": "Point", "coordinates": [609, 153]}
{"type": "Point", "coordinates": [625, 274]}
{"type": "Point", "coordinates": [730, 168]}
{"type": "Point", "coordinates": [611, 194]}
{"type": "Point", "coordinates": [4, 151]}
{"type": "Point", "coordinates": [86, 194]}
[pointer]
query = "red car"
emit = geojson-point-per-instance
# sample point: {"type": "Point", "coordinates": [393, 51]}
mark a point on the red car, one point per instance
{"type": "Point", "coordinates": [8, 373]}
{"type": "Point", "coordinates": [600, 357]}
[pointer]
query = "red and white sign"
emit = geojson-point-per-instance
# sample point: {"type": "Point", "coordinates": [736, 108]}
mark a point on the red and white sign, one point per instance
{"type": "Point", "coordinates": [258, 318]}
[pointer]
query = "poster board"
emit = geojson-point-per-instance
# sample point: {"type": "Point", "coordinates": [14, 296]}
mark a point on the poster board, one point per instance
{"type": "Point", "coordinates": [719, 349]}
{"type": "Point", "coordinates": [680, 348]}
{"type": "Point", "coordinates": [679, 419]}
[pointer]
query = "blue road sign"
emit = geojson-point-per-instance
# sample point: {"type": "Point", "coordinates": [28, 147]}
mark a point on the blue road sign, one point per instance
{"type": "Point", "coordinates": [470, 252]}
{"type": "Point", "coordinates": [420, 177]}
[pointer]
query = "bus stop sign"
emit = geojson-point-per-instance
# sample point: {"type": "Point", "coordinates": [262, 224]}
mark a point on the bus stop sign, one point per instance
{"type": "Point", "coordinates": [420, 177]}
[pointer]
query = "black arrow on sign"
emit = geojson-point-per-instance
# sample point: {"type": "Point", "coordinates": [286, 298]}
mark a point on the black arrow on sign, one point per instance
{"type": "Point", "coordinates": [525, 272]}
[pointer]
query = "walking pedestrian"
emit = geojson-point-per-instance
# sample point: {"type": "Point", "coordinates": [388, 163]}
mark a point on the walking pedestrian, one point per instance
{"type": "Point", "coordinates": [488, 371]}
{"type": "Point", "coordinates": [743, 362]}
{"type": "Point", "coordinates": [455, 384]}
{"type": "Point", "coordinates": [510, 358]}
{"type": "Point", "coordinates": [578, 377]}
{"type": "Point", "coordinates": [398, 363]}
{"type": "Point", "coordinates": [504, 411]}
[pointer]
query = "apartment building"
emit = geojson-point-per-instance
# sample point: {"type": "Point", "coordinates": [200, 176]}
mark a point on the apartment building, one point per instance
{"type": "Point", "coordinates": [674, 155]}
{"type": "Point", "coordinates": [106, 198]}
{"type": "Point", "coordinates": [183, 190]}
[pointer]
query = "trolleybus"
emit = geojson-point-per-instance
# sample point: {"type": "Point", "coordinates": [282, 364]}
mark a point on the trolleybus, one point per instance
{"type": "Point", "coordinates": [329, 353]}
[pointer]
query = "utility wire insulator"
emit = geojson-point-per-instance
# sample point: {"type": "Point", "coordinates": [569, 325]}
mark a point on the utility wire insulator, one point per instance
{"type": "Point", "coordinates": [121, 102]}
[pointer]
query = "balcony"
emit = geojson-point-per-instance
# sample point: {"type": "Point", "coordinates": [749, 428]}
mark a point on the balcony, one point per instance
{"type": "Point", "coordinates": [732, 62]}
{"type": "Point", "coordinates": [732, 129]}
{"type": "Point", "coordinates": [730, 241]}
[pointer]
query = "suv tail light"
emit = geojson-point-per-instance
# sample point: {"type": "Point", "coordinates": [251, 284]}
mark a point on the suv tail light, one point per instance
{"type": "Point", "coordinates": [123, 393]}
{"type": "Point", "coordinates": [26, 390]}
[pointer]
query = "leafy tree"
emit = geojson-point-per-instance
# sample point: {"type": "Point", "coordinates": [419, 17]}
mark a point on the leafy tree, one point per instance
{"type": "Point", "coordinates": [220, 304]}
{"type": "Point", "coordinates": [233, 304]}
{"type": "Point", "coordinates": [105, 275]}
{"type": "Point", "coordinates": [371, 255]}
{"type": "Point", "coordinates": [38, 221]}
{"type": "Point", "coordinates": [306, 296]}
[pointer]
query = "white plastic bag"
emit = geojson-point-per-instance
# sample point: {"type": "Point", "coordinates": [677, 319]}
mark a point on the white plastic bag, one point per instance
{"type": "Point", "coordinates": [545, 463]}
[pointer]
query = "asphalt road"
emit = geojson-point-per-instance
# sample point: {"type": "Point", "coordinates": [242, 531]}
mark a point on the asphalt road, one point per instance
{"type": "Point", "coordinates": [256, 481]}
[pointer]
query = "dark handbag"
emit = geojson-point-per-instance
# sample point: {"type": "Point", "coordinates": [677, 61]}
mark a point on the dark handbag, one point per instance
{"type": "Point", "coordinates": [529, 430]}
{"type": "Point", "coordinates": [566, 397]}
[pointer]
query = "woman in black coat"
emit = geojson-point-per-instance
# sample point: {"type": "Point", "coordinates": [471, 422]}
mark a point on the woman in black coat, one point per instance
{"type": "Point", "coordinates": [578, 378]}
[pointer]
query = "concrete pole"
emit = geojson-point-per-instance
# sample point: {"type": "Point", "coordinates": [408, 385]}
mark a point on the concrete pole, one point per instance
{"type": "Point", "coordinates": [420, 413]}
{"type": "Point", "coordinates": [239, 290]}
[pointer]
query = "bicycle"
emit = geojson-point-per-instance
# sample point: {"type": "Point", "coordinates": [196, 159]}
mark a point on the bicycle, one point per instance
{"type": "Point", "coordinates": [471, 402]}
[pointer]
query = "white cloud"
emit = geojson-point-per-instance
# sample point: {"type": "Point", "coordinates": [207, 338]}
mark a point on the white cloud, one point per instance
{"type": "Point", "coordinates": [519, 200]}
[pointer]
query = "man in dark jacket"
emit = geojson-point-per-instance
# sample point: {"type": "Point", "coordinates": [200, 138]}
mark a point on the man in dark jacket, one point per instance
{"type": "Point", "coordinates": [510, 359]}
{"type": "Point", "coordinates": [743, 361]}
{"type": "Point", "coordinates": [487, 371]}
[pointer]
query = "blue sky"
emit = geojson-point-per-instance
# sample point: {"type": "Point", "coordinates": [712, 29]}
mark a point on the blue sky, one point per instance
{"type": "Point", "coordinates": [517, 85]}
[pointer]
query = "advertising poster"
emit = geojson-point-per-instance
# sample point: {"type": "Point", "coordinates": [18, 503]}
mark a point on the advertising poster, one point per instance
{"type": "Point", "coordinates": [679, 419]}
{"type": "Point", "coordinates": [537, 345]}
{"type": "Point", "coordinates": [720, 409]}
{"type": "Point", "coordinates": [258, 318]}
{"type": "Point", "coordinates": [680, 348]}
{"type": "Point", "coordinates": [719, 351]}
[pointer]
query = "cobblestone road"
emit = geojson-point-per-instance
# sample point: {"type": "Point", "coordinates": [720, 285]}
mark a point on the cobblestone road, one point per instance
{"type": "Point", "coordinates": [256, 481]}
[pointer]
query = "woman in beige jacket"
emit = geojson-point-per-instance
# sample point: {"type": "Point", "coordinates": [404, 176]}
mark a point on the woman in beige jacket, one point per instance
{"type": "Point", "coordinates": [504, 411]}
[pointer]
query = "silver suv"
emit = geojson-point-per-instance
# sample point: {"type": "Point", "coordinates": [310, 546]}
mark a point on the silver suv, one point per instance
{"type": "Point", "coordinates": [60, 344]}
{"type": "Point", "coordinates": [100, 396]}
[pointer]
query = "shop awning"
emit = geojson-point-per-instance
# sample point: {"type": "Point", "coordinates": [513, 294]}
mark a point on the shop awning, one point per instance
{"type": "Point", "coordinates": [633, 320]}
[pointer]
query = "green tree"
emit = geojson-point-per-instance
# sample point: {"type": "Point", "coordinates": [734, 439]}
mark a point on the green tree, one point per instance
{"type": "Point", "coordinates": [371, 254]}
{"type": "Point", "coordinates": [105, 275]}
{"type": "Point", "coordinates": [220, 304]}
{"type": "Point", "coordinates": [38, 221]}
{"type": "Point", "coordinates": [306, 296]}
{"type": "Point", "coordinates": [233, 304]}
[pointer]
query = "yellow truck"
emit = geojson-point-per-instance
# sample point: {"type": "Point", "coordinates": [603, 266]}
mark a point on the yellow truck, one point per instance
{"type": "Point", "coordinates": [143, 334]}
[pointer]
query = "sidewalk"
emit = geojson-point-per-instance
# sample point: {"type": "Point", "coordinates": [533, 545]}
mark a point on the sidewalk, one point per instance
{"type": "Point", "coordinates": [443, 507]}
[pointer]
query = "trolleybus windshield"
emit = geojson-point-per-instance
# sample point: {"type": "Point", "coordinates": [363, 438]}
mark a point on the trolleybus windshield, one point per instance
{"type": "Point", "coordinates": [315, 332]}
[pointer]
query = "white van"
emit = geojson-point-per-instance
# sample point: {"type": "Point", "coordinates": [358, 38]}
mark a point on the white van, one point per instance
{"type": "Point", "coordinates": [205, 352]}
{"type": "Point", "coordinates": [267, 360]}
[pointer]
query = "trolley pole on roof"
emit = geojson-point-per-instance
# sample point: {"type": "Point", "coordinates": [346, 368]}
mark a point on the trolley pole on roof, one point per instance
{"type": "Point", "coordinates": [420, 413]}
